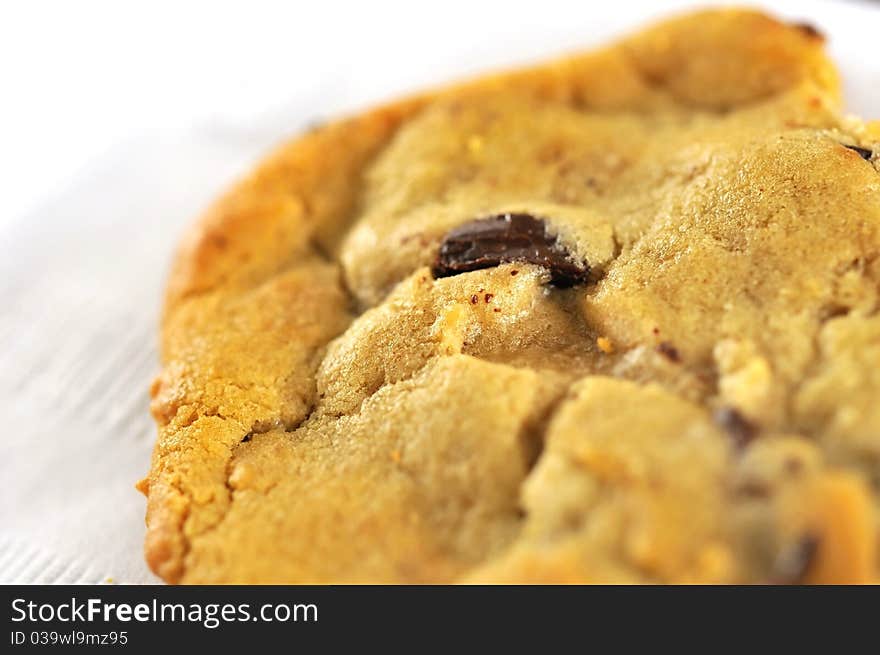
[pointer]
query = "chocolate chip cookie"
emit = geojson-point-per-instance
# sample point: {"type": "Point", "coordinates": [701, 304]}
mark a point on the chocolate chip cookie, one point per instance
{"type": "Point", "coordinates": [612, 319]}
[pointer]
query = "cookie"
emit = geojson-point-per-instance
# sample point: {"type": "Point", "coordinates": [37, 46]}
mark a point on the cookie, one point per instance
{"type": "Point", "coordinates": [610, 319]}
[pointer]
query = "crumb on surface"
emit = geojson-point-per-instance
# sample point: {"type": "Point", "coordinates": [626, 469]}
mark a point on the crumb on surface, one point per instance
{"type": "Point", "coordinates": [475, 144]}
{"type": "Point", "coordinates": [605, 345]}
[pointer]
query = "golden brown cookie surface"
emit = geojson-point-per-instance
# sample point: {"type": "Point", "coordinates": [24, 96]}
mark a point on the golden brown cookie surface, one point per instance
{"type": "Point", "coordinates": [612, 319]}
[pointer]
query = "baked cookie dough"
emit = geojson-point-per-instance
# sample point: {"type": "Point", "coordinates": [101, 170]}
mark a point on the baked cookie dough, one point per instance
{"type": "Point", "coordinates": [612, 319]}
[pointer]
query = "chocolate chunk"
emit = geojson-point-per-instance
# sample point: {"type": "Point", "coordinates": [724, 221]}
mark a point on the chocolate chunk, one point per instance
{"type": "Point", "coordinates": [669, 351]}
{"type": "Point", "coordinates": [794, 466]}
{"type": "Point", "coordinates": [754, 490]}
{"type": "Point", "coordinates": [809, 31]}
{"type": "Point", "coordinates": [488, 242]}
{"type": "Point", "coordinates": [740, 430]}
{"type": "Point", "coordinates": [864, 153]}
{"type": "Point", "coordinates": [793, 562]}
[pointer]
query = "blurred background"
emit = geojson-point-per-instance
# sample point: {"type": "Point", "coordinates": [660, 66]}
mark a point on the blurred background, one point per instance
{"type": "Point", "coordinates": [120, 122]}
{"type": "Point", "coordinates": [79, 77]}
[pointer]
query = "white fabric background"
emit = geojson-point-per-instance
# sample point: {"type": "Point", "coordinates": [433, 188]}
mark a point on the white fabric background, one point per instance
{"type": "Point", "coordinates": [118, 123]}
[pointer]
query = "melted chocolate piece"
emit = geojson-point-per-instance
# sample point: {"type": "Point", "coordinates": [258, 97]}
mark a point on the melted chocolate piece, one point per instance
{"type": "Point", "coordinates": [740, 430]}
{"type": "Point", "coordinates": [864, 153]}
{"type": "Point", "coordinates": [669, 351]}
{"type": "Point", "coordinates": [754, 490]}
{"type": "Point", "coordinates": [488, 242]}
{"type": "Point", "coordinates": [809, 31]}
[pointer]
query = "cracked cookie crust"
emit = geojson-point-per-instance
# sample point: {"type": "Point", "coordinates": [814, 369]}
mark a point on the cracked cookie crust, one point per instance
{"type": "Point", "coordinates": [610, 319]}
